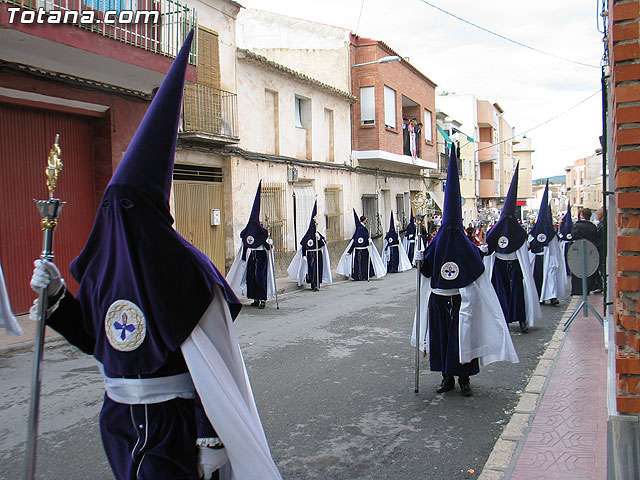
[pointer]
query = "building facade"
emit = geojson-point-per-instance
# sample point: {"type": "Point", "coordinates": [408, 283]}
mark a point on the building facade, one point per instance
{"type": "Point", "coordinates": [91, 86]}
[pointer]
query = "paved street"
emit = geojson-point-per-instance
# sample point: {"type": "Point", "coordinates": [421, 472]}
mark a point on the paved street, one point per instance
{"type": "Point", "coordinates": [332, 373]}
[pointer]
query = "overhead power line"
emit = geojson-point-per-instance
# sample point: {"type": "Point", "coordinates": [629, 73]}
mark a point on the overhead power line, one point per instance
{"type": "Point", "coordinates": [540, 124]}
{"type": "Point", "coordinates": [520, 44]}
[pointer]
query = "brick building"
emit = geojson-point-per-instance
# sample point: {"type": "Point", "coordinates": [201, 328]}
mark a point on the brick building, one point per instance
{"type": "Point", "coordinates": [623, 145]}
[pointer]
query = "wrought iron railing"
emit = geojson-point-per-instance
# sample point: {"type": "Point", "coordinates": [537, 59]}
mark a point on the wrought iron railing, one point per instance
{"type": "Point", "coordinates": [209, 111]}
{"type": "Point", "coordinates": [159, 26]}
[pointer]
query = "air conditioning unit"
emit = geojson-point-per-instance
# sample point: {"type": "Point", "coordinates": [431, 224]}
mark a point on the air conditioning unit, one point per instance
{"type": "Point", "coordinates": [292, 174]}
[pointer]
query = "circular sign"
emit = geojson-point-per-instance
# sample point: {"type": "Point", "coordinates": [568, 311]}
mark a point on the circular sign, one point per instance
{"type": "Point", "coordinates": [361, 240]}
{"type": "Point", "coordinates": [125, 325]}
{"type": "Point", "coordinates": [250, 240]}
{"type": "Point", "coordinates": [569, 236]}
{"type": "Point", "coordinates": [449, 271]}
{"type": "Point", "coordinates": [541, 237]}
{"type": "Point", "coordinates": [591, 258]}
{"type": "Point", "coordinates": [503, 242]}
{"type": "Point", "coordinates": [310, 243]}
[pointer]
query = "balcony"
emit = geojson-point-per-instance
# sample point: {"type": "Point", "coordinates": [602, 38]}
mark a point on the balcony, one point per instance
{"type": "Point", "coordinates": [209, 115]}
{"type": "Point", "coordinates": [98, 40]}
{"type": "Point", "coordinates": [486, 152]}
{"type": "Point", "coordinates": [488, 188]}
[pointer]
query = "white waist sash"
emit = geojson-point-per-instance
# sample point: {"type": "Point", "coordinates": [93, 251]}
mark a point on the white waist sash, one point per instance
{"type": "Point", "coordinates": [506, 256]}
{"type": "Point", "coordinates": [447, 292]}
{"type": "Point", "coordinates": [362, 248]}
{"type": "Point", "coordinates": [132, 391]}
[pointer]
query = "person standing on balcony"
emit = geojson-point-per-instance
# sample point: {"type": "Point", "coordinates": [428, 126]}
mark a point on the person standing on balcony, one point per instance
{"type": "Point", "coordinates": [311, 263]}
{"type": "Point", "coordinates": [549, 269]}
{"type": "Point", "coordinates": [361, 260]}
{"type": "Point", "coordinates": [507, 260]}
{"type": "Point", "coordinates": [418, 139]}
{"type": "Point", "coordinates": [412, 138]}
{"type": "Point", "coordinates": [462, 324]}
{"type": "Point", "coordinates": [252, 273]}
{"type": "Point", "coordinates": [406, 149]}
{"type": "Point", "coordinates": [157, 316]}
{"type": "Point", "coordinates": [394, 255]}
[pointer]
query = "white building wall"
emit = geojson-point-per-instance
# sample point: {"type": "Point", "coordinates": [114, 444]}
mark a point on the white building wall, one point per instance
{"type": "Point", "coordinates": [317, 50]}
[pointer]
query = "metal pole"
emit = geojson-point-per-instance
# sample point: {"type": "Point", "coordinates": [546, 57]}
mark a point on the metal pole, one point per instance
{"type": "Point", "coordinates": [417, 332]}
{"type": "Point", "coordinates": [317, 263]}
{"type": "Point", "coordinates": [49, 211]}
{"type": "Point", "coordinates": [585, 291]}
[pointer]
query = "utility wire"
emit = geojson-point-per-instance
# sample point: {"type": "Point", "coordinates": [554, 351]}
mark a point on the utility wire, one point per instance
{"type": "Point", "coordinates": [359, 17]}
{"type": "Point", "coordinates": [520, 44]}
{"type": "Point", "coordinates": [539, 125]}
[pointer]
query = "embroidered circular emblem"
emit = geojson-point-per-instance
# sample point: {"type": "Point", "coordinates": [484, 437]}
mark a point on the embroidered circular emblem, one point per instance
{"type": "Point", "coordinates": [569, 236]}
{"type": "Point", "coordinates": [503, 242]}
{"type": "Point", "coordinates": [310, 242]}
{"type": "Point", "coordinates": [250, 240]}
{"type": "Point", "coordinates": [541, 237]}
{"type": "Point", "coordinates": [125, 325]}
{"type": "Point", "coordinates": [361, 240]}
{"type": "Point", "coordinates": [449, 271]}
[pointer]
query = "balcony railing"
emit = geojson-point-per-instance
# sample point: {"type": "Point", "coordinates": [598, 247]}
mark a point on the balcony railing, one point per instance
{"type": "Point", "coordinates": [209, 114]}
{"type": "Point", "coordinates": [159, 26]}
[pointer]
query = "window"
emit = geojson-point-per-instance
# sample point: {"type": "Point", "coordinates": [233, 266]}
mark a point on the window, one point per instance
{"type": "Point", "coordinates": [302, 122]}
{"type": "Point", "coordinates": [333, 212]}
{"type": "Point", "coordinates": [271, 125]}
{"type": "Point", "coordinates": [389, 107]}
{"type": "Point", "coordinates": [298, 112]}
{"type": "Point", "coordinates": [370, 210]}
{"type": "Point", "coordinates": [427, 126]}
{"type": "Point", "coordinates": [273, 214]}
{"type": "Point", "coordinates": [367, 106]}
{"type": "Point", "coordinates": [400, 215]}
{"type": "Point", "coordinates": [329, 154]}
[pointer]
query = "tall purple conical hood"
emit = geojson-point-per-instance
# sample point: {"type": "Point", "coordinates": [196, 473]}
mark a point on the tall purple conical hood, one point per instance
{"type": "Point", "coordinates": [361, 235]}
{"type": "Point", "coordinates": [508, 235]}
{"type": "Point", "coordinates": [148, 162]}
{"type": "Point", "coordinates": [311, 231]}
{"type": "Point", "coordinates": [566, 226]}
{"type": "Point", "coordinates": [143, 287]}
{"type": "Point", "coordinates": [410, 232]}
{"type": "Point", "coordinates": [254, 234]}
{"type": "Point", "coordinates": [392, 236]}
{"type": "Point", "coordinates": [543, 231]}
{"type": "Point", "coordinates": [452, 211]}
{"type": "Point", "coordinates": [451, 259]}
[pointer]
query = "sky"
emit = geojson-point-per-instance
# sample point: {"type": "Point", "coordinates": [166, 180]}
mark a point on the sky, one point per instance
{"type": "Point", "coordinates": [532, 88]}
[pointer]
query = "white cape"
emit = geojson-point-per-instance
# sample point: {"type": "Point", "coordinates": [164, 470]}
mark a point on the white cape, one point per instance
{"type": "Point", "coordinates": [531, 301]}
{"type": "Point", "coordinates": [345, 265]}
{"type": "Point", "coordinates": [237, 276]}
{"type": "Point", "coordinates": [298, 267]}
{"type": "Point", "coordinates": [406, 243]}
{"type": "Point", "coordinates": [403, 260]}
{"type": "Point", "coordinates": [8, 321]}
{"type": "Point", "coordinates": [218, 372]}
{"type": "Point", "coordinates": [483, 332]}
{"type": "Point", "coordinates": [554, 271]}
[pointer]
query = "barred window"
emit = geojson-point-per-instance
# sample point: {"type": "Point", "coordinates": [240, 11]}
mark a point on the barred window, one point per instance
{"type": "Point", "coordinates": [273, 214]}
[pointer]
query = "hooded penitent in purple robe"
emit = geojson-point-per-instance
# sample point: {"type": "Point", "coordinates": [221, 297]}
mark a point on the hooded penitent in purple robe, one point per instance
{"type": "Point", "coordinates": [509, 266]}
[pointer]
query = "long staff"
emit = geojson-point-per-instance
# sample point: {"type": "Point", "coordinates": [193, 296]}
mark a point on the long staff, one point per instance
{"type": "Point", "coordinates": [317, 262]}
{"type": "Point", "coordinates": [49, 211]}
{"type": "Point", "coordinates": [420, 203]}
{"type": "Point", "coordinates": [273, 263]}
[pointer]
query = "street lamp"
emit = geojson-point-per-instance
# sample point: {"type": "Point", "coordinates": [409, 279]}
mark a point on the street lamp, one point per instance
{"type": "Point", "coordinates": [391, 58]}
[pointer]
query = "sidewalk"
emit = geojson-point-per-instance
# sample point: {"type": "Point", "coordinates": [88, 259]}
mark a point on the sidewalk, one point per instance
{"type": "Point", "coordinates": [9, 344]}
{"type": "Point", "coordinates": [559, 428]}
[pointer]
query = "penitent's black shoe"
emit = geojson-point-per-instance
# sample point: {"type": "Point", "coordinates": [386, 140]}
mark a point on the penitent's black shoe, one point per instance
{"type": "Point", "coordinates": [465, 387]}
{"type": "Point", "coordinates": [262, 304]}
{"type": "Point", "coordinates": [554, 301]}
{"type": "Point", "coordinates": [448, 383]}
{"type": "Point", "coordinates": [255, 303]}
{"type": "Point", "coordinates": [523, 327]}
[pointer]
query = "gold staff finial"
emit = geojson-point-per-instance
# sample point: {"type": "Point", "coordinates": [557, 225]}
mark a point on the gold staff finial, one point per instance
{"type": "Point", "coordinates": [54, 166]}
{"type": "Point", "coordinates": [419, 202]}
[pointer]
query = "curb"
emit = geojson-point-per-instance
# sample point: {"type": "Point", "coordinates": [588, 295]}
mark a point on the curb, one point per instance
{"type": "Point", "coordinates": [506, 451]}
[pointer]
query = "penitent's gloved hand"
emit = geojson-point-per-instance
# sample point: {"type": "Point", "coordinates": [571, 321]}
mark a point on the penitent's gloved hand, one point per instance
{"type": "Point", "coordinates": [210, 460]}
{"type": "Point", "coordinates": [46, 274]}
{"type": "Point", "coordinates": [419, 256]}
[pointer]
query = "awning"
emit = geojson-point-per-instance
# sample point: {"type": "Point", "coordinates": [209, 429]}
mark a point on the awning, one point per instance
{"type": "Point", "coordinates": [462, 133]}
{"type": "Point", "coordinates": [444, 134]}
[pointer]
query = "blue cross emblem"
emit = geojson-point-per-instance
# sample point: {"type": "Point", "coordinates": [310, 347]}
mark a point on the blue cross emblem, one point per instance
{"type": "Point", "coordinates": [124, 326]}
